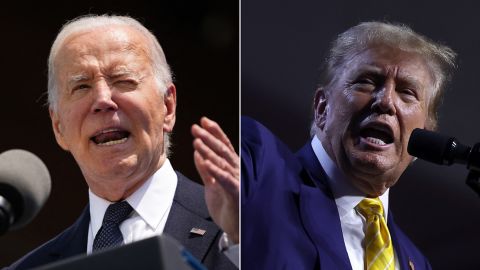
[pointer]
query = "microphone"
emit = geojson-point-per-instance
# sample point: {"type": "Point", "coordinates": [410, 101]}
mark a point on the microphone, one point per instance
{"type": "Point", "coordinates": [24, 187]}
{"type": "Point", "coordinates": [443, 150]}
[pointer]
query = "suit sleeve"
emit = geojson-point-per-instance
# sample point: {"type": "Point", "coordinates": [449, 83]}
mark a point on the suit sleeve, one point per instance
{"type": "Point", "coordinates": [251, 157]}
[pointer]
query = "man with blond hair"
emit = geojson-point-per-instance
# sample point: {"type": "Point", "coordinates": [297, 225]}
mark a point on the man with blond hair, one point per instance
{"type": "Point", "coordinates": [326, 207]}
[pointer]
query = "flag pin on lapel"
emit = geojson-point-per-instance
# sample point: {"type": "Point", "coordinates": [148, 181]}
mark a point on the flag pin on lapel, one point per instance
{"type": "Point", "coordinates": [197, 231]}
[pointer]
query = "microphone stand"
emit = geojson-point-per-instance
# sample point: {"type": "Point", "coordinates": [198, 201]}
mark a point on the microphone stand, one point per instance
{"type": "Point", "coordinates": [473, 177]}
{"type": "Point", "coordinates": [6, 219]}
{"type": "Point", "coordinates": [473, 181]}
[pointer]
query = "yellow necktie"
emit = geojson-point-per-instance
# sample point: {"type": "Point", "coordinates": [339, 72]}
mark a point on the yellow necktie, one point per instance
{"type": "Point", "coordinates": [377, 243]}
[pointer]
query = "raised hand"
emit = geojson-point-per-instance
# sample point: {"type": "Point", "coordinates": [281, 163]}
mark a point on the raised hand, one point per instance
{"type": "Point", "coordinates": [218, 166]}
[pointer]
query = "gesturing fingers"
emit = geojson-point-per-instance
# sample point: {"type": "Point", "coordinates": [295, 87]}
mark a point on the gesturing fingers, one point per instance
{"type": "Point", "coordinates": [202, 168]}
{"type": "Point", "coordinates": [228, 181]}
{"type": "Point", "coordinates": [218, 149]}
{"type": "Point", "coordinates": [216, 131]}
{"type": "Point", "coordinates": [208, 154]}
{"type": "Point", "coordinates": [218, 165]}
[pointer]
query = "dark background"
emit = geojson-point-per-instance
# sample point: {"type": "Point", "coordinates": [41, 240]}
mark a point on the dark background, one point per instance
{"type": "Point", "coordinates": [283, 44]}
{"type": "Point", "coordinates": [200, 40]}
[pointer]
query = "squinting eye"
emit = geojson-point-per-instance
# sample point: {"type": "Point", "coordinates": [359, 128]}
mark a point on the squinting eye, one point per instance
{"type": "Point", "coordinates": [409, 92]}
{"type": "Point", "coordinates": [366, 81]}
{"type": "Point", "coordinates": [81, 86]}
{"type": "Point", "coordinates": [364, 84]}
{"type": "Point", "coordinates": [127, 83]}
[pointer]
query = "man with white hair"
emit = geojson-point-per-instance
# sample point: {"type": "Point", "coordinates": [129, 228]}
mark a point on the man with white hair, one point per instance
{"type": "Point", "coordinates": [112, 104]}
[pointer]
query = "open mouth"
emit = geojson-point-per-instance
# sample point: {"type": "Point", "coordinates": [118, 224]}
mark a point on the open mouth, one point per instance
{"type": "Point", "coordinates": [110, 137]}
{"type": "Point", "coordinates": [378, 135]}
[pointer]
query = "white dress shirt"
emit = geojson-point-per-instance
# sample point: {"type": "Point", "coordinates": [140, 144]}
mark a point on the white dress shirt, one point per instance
{"type": "Point", "coordinates": [151, 208]}
{"type": "Point", "coordinates": [346, 198]}
{"type": "Point", "coordinates": [151, 205]}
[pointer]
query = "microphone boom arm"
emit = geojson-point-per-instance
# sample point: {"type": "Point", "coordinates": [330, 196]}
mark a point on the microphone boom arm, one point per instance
{"type": "Point", "coordinates": [473, 177]}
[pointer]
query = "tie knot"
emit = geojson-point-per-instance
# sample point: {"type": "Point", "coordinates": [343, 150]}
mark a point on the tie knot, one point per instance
{"type": "Point", "coordinates": [117, 212]}
{"type": "Point", "coordinates": [369, 207]}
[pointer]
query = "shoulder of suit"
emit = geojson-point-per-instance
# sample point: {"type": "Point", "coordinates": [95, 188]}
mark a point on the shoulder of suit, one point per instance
{"type": "Point", "coordinates": [191, 196]}
{"type": "Point", "coordinates": [253, 132]}
{"type": "Point", "coordinates": [258, 141]}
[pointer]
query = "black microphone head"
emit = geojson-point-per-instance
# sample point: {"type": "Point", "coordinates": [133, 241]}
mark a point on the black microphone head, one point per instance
{"type": "Point", "coordinates": [431, 146]}
{"type": "Point", "coordinates": [25, 183]}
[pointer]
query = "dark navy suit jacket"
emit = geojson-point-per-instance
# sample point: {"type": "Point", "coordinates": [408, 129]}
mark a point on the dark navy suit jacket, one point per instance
{"type": "Point", "coordinates": [188, 211]}
{"type": "Point", "coordinates": [289, 216]}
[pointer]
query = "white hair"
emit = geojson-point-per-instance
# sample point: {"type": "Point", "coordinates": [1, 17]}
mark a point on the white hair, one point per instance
{"type": "Point", "coordinates": [161, 70]}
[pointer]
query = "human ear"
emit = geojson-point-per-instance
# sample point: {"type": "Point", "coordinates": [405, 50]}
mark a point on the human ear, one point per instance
{"type": "Point", "coordinates": [170, 103]}
{"type": "Point", "coordinates": [320, 108]}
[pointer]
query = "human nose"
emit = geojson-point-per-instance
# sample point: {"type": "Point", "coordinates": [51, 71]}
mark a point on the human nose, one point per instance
{"type": "Point", "coordinates": [102, 99]}
{"type": "Point", "coordinates": [384, 100]}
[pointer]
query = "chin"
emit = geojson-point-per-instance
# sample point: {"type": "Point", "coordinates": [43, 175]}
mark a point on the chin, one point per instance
{"type": "Point", "coordinates": [119, 166]}
{"type": "Point", "coordinates": [372, 185]}
{"type": "Point", "coordinates": [372, 163]}
{"type": "Point", "coordinates": [377, 191]}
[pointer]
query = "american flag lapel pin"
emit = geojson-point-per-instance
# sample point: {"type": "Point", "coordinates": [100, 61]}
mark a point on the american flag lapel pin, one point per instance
{"type": "Point", "coordinates": [198, 231]}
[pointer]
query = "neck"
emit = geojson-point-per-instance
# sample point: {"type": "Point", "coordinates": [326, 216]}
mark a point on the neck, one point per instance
{"type": "Point", "coordinates": [116, 188]}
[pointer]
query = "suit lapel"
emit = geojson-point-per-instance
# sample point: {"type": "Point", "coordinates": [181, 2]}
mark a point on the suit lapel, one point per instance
{"type": "Point", "coordinates": [320, 215]}
{"type": "Point", "coordinates": [74, 240]}
{"type": "Point", "coordinates": [400, 251]}
{"type": "Point", "coordinates": [187, 213]}
{"type": "Point", "coordinates": [321, 220]}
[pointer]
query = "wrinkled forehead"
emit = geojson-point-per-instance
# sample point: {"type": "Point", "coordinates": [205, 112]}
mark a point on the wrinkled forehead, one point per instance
{"type": "Point", "coordinates": [102, 43]}
{"type": "Point", "coordinates": [407, 64]}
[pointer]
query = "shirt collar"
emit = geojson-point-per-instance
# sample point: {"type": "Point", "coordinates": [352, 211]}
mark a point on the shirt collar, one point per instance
{"type": "Point", "coordinates": [346, 195]}
{"type": "Point", "coordinates": [151, 201]}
